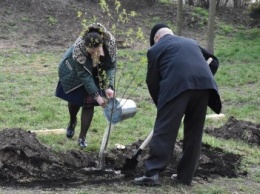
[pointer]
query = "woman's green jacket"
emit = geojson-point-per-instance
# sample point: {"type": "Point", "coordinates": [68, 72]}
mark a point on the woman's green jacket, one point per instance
{"type": "Point", "coordinates": [72, 74]}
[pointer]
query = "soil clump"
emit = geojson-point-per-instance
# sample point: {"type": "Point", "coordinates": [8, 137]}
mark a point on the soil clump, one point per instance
{"type": "Point", "coordinates": [239, 130]}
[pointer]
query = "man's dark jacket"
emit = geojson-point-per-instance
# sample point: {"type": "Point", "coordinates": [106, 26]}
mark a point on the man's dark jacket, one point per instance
{"type": "Point", "coordinates": [177, 64]}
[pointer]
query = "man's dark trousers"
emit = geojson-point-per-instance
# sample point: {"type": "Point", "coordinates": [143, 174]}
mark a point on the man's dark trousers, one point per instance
{"type": "Point", "coordinates": [192, 104]}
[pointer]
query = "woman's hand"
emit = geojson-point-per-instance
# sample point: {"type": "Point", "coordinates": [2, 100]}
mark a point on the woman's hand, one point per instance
{"type": "Point", "coordinates": [101, 101]}
{"type": "Point", "coordinates": [109, 93]}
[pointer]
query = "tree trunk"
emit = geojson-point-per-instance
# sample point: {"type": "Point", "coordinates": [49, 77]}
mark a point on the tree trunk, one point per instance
{"type": "Point", "coordinates": [190, 2]}
{"type": "Point", "coordinates": [179, 18]}
{"type": "Point", "coordinates": [237, 3]}
{"type": "Point", "coordinates": [211, 25]}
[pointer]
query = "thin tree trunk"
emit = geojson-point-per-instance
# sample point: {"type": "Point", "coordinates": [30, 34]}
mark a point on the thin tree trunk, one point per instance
{"type": "Point", "coordinates": [211, 25]}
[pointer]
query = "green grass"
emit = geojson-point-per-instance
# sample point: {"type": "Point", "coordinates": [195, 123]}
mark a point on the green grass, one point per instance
{"type": "Point", "coordinates": [237, 77]}
{"type": "Point", "coordinates": [27, 101]}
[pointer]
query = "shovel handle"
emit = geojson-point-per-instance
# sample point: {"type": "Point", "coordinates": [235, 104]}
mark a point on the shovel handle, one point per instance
{"type": "Point", "coordinates": [209, 60]}
{"type": "Point", "coordinates": [146, 141]}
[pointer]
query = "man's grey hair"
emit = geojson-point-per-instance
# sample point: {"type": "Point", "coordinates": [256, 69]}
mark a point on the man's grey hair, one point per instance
{"type": "Point", "coordinates": [164, 31]}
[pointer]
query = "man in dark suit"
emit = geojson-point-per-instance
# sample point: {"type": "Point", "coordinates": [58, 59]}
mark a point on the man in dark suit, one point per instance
{"type": "Point", "coordinates": [181, 83]}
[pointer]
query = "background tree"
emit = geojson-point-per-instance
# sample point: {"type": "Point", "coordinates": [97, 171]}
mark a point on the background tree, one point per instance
{"type": "Point", "coordinates": [179, 18]}
{"type": "Point", "coordinates": [211, 25]}
{"type": "Point", "coordinates": [190, 2]}
{"type": "Point", "coordinates": [254, 12]}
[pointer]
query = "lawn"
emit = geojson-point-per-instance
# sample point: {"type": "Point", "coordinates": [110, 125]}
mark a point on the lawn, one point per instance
{"type": "Point", "coordinates": [27, 101]}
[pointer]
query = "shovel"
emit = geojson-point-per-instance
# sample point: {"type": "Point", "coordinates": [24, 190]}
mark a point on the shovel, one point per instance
{"type": "Point", "coordinates": [131, 163]}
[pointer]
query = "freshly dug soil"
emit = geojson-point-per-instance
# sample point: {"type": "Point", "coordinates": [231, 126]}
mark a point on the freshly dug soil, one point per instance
{"type": "Point", "coordinates": [240, 130]}
{"type": "Point", "coordinates": [24, 160]}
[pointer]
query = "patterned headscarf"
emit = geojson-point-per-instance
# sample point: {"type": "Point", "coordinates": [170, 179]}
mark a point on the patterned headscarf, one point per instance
{"type": "Point", "coordinates": [80, 53]}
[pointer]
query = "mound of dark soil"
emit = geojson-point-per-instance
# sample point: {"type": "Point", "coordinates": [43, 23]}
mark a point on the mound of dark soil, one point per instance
{"type": "Point", "coordinates": [238, 130]}
{"type": "Point", "coordinates": [24, 160]}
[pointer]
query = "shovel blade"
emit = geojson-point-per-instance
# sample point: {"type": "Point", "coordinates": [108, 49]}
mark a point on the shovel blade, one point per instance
{"type": "Point", "coordinates": [130, 164]}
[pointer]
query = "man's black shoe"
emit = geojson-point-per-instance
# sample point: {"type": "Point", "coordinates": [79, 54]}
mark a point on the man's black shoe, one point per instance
{"type": "Point", "coordinates": [174, 177]}
{"type": "Point", "coordinates": [148, 181]}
